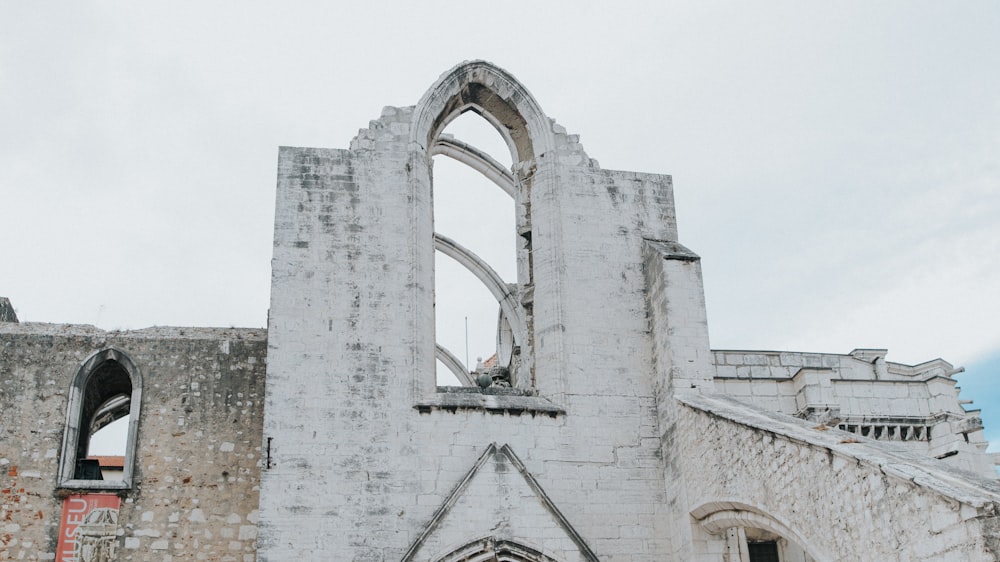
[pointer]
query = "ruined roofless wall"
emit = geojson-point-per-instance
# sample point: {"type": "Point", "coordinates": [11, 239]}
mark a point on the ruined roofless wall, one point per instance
{"type": "Point", "coordinates": [372, 451]}
{"type": "Point", "coordinates": [199, 442]}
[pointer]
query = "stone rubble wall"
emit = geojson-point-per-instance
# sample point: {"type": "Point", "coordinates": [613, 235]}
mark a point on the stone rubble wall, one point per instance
{"type": "Point", "coordinates": [199, 444]}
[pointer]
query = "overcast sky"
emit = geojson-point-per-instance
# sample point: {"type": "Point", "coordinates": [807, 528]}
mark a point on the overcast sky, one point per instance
{"type": "Point", "coordinates": [836, 165]}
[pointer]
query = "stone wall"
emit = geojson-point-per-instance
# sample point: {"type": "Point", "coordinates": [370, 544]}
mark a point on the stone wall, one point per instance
{"type": "Point", "coordinates": [367, 451]}
{"type": "Point", "coordinates": [838, 496]}
{"type": "Point", "coordinates": [199, 443]}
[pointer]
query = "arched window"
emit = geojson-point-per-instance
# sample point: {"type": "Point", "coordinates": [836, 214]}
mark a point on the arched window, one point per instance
{"type": "Point", "coordinates": [528, 330]}
{"type": "Point", "coordinates": [106, 388]}
{"type": "Point", "coordinates": [478, 89]}
{"type": "Point", "coordinates": [476, 273]}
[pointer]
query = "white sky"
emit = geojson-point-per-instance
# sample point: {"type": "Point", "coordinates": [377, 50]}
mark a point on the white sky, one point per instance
{"type": "Point", "coordinates": [836, 165]}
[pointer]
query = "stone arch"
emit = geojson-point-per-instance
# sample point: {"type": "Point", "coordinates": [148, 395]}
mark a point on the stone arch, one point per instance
{"type": "Point", "coordinates": [492, 93]}
{"type": "Point", "coordinates": [507, 105]}
{"type": "Point", "coordinates": [445, 356]}
{"type": "Point", "coordinates": [715, 517]}
{"type": "Point", "coordinates": [489, 278]}
{"type": "Point", "coordinates": [477, 160]}
{"type": "Point", "coordinates": [107, 386]}
{"type": "Point", "coordinates": [491, 549]}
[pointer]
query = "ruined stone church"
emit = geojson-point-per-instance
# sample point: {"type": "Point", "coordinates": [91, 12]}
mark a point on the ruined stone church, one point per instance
{"type": "Point", "coordinates": [605, 427]}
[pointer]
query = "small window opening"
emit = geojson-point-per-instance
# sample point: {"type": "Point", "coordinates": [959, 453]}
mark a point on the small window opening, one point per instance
{"type": "Point", "coordinates": [763, 551]}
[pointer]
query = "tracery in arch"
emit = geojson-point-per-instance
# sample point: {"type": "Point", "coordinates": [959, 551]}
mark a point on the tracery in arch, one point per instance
{"type": "Point", "coordinates": [478, 314]}
{"type": "Point", "coordinates": [526, 135]}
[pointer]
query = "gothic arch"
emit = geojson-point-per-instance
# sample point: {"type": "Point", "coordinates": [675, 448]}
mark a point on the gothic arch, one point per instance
{"type": "Point", "coordinates": [533, 182]}
{"type": "Point", "coordinates": [494, 94]}
{"type": "Point", "coordinates": [507, 105]}
{"type": "Point", "coordinates": [107, 386]}
{"type": "Point", "coordinates": [491, 549]}
{"type": "Point", "coordinates": [716, 517]}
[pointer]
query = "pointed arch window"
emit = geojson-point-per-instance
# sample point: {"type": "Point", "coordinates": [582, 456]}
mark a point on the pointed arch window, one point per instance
{"type": "Point", "coordinates": [477, 91]}
{"type": "Point", "coordinates": [107, 387]}
{"type": "Point", "coordinates": [476, 269]}
{"type": "Point", "coordinates": [511, 363]}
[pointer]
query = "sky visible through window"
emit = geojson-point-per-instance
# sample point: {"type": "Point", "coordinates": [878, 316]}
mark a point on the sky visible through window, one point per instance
{"type": "Point", "coordinates": [476, 213]}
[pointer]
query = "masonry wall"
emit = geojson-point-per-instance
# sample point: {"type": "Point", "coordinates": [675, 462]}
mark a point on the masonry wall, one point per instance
{"type": "Point", "coordinates": [840, 498]}
{"type": "Point", "coordinates": [366, 450]}
{"type": "Point", "coordinates": [198, 452]}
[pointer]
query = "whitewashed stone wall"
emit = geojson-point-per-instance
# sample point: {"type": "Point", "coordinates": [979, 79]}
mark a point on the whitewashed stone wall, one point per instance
{"type": "Point", "coordinates": [365, 450]}
{"type": "Point", "coordinates": [839, 497]}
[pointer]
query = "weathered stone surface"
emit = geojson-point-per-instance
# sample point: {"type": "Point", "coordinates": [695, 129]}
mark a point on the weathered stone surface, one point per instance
{"type": "Point", "coordinates": [199, 444]}
{"type": "Point", "coordinates": [845, 498]}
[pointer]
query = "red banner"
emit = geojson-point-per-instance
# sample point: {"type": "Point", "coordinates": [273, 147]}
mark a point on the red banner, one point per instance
{"type": "Point", "coordinates": [87, 528]}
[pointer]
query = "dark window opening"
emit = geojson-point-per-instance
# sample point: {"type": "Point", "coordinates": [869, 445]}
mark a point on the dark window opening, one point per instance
{"type": "Point", "coordinates": [765, 551]}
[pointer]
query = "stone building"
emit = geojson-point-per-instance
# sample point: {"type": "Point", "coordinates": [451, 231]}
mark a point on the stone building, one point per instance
{"type": "Point", "coordinates": [610, 431]}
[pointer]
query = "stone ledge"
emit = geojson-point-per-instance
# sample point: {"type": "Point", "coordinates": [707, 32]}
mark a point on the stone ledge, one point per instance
{"type": "Point", "coordinates": [154, 332]}
{"type": "Point", "coordinates": [84, 486]}
{"type": "Point", "coordinates": [513, 401]}
{"type": "Point", "coordinates": [671, 250]}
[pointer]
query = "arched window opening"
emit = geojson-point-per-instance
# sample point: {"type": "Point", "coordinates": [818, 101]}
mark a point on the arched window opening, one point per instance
{"type": "Point", "coordinates": [474, 205]}
{"type": "Point", "coordinates": [101, 423]}
{"type": "Point", "coordinates": [746, 533]}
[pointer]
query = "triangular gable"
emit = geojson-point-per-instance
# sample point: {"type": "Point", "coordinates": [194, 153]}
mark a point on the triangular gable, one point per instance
{"type": "Point", "coordinates": [499, 503]}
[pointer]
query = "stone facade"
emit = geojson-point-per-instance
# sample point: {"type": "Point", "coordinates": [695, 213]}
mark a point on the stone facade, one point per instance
{"type": "Point", "coordinates": [606, 429]}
